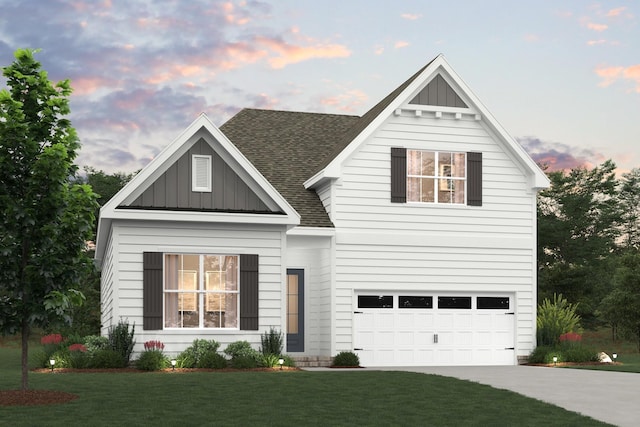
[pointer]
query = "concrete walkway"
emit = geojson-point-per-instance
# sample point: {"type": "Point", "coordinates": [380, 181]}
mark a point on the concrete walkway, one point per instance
{"type": "Point", "coordinates": [611, 397]}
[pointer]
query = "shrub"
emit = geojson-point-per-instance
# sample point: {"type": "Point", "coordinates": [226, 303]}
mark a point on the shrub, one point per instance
{"type": "Point", "coordinates": [95, 343]}
{"type": "Point", "coordinates": [579, 354]}
{"type": "Point", "coordinates": [121, 340]}
{"type": "Point", "coordinates": [564, 353]}
{"type": "Point", "coordinates": [269, 360]}
{"type": "Point", "coordinates": [271, 342]}
{"type": "Point", "coordinates": [50, 345]}
{"type": "Point", "coordinates": [346, 358]}
{"type": "Point", "coordinates": [555, 318]}
{"type": "Point", "coordinates": [245, 362]}
{"type": "Point", "coordinates": [106, 358]}
{"type": "Point", "coordinates": [288, 361]}
{"type": "Point", "coordinates": [78, 356]}
{"type": "Point", "coordinates": [152, 360]}
{"type": "Point", "coordinates": [199, 350]}
{"type": "Point", "coordinates": [212, 360]}
{"type": "Point", "coordinates": [241, 349]}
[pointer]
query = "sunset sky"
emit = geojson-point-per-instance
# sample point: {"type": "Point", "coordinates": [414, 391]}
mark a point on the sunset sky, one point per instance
{"type": "Point", "coordinates": [563, 77]}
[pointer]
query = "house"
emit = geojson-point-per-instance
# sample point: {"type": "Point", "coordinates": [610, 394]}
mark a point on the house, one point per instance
{"type": "Point", "coordinates": [407, 235]}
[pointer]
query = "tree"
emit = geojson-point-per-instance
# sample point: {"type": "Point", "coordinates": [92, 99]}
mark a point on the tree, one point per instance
{"type": "Point", "coordinates": [45, 216]}
{"type": "Point", "coordinates": [578, 218]}
{"type": "Point", "coordinates": [629, 195]}
{"type": "Point", "coordinates": [104, 185]}
{"type": "Point", "coordinates": [623, 303]}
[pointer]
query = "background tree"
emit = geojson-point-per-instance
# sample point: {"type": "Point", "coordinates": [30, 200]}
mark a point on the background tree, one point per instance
{"type": "Point", "coordinates": [45, 217]}
{"type": "Point", "coordinates": [578, 219]}
{"type": "Point", "coordinates": [623, 303]}
{"type": "Point", "coordinates": [105, 186]}
{"type": "Point", "coordinates": [630, 203]}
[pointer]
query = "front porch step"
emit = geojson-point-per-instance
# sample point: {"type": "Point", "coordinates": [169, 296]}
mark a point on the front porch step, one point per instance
{"type": "Point", "coordinates": [312, 361]}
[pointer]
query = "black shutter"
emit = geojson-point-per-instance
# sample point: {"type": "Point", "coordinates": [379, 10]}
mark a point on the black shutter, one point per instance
{"type": "Point", "coordinates": [152, 291]}
{"type": "Point", "coordinates": [249, 292]}
{"type": "Point", "coordinates": [474, 179]}
{"type": "Point", "coordinates": [398, 175]}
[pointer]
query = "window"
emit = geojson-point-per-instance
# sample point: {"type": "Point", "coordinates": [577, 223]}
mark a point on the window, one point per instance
{"type": "Point", "coordinates": [201, 291]}
{"type": "Point", "coordinates": [493, 303]}
{"type": "Point", "coordinates": [201, 173]}
{"type": "Point", "coordinates": [436, 177]}
{"type": "Point", "coordinates": [415, 302]}
{"type": "Point", "coordinates": [375, 301]}
{"type": "Point", "coordinates": [454, 302]}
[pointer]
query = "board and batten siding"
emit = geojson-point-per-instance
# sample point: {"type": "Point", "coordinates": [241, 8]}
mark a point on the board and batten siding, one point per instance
{"type": "Point", "coordinates": [423, 247]}
{"type": "Point", "coordinates": [135, 238]}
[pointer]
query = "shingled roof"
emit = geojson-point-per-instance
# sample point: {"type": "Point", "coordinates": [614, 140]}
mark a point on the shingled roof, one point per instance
{"type": "Point", "coordinates": [286, 147]}
{"type": "Point", "coordinates": [289, 147]}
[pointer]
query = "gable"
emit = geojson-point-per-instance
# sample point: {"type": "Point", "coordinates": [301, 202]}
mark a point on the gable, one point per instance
{"type": "Point", "coordinates": [438, 93]}
{"type": "Point", "coordinates": [174, 189]}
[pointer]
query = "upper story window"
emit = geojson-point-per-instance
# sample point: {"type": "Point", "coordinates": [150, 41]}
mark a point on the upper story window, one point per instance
{"type": "Point", "coordinates": [436, 176]}
{"type": "Point", "coordinates": [201, 173]}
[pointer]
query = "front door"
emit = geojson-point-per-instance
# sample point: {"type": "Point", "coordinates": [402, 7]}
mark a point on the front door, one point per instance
{"type": "Point", "coordinates": [295, 310]}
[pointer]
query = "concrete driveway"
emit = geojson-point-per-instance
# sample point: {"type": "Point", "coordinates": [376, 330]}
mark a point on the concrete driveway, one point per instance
{"type": "Point", "coordinates": [611, 397]}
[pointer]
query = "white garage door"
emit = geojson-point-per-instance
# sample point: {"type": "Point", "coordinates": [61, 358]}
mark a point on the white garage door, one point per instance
{"type": "Point", "coordinates": [405, 329]}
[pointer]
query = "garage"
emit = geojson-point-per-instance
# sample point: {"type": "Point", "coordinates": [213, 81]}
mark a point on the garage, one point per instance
{"type": "Point", "coordinates": [409, 329]}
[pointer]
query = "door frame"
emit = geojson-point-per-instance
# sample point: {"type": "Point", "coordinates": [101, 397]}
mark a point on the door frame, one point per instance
{"type": "Point", "coordinates": [295, 342]}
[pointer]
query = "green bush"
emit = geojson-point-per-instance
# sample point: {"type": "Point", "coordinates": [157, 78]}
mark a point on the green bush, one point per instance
{"type": "Point", "coordinates": [242, 349]}
{"type": "Point", "coordinates": [554, 319]}
{"type": "Point", "coordinates": [121, 340]}
{"type": "Point", "coordinates": [152, 360]}
{"type": "Point", "coordinates": [579, 354]}
{"type": "Point", "coordinates": [244, 362]}
{"type": "Point", "coordinates": [272, 342]}
{"type": "Point", "coordinates": [346, 358]}
{"type": "Point", "coordinates": [288, 361]}
{"type": "Point", "coordinates": [212, 361]}
{"type": "Point", "coordinates": [198, 351]}
{"type": "Point", "coordinates": [106, 359]}
{"type": "Point", "coordinates": [565, 353]}
{"type": "Point", "coordinates": [269, 360]}
{"type": "Point", "coordinates": [95, 343]}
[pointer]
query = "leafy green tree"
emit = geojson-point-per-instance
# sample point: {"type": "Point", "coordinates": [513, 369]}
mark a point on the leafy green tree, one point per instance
{"type": "Point", "coordinates": [45, 216]}
{"type": "Point", "coordinates": [629, 195]}
{"type": "Point", "coordinates": [578, 218]}
{"type": "Point", "coordinates": [623, 303]}
{"type": "Point", "coordinates": [104, 185]}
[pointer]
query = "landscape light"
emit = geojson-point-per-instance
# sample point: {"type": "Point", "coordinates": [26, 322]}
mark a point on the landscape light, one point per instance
{"type": "Point", "coordinates": [555, 360]}
{"type": "Point", "coordinates": [281, 362]}
{"type": "Point", "coordinates": [615, 356]}
{"type": "Point", "coordinates": [52, 362]}
{"type": "Point", "coordinates": [173, 364]}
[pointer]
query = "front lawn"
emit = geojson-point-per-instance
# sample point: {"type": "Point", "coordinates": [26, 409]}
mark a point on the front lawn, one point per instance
{"type": "Point", "coordinates": [361, 397]}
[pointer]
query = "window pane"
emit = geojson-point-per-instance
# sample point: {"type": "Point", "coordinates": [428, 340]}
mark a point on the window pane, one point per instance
{"type": "Point", "coordinates": [427, 189]}
{"type": "Point", "coordinates": [493, 303]}
{"type": "Point", "coordinates": [458, 192]}
{"type": "Point", "coordinates": [413, 189]}
{"type": "Point", "coordinates": [415, 302]}
{"type": "Point", "coordinates": [171, 315]}
{"type": "Point", "coordinates": [428, 163]}
{"type": "Point", "coordinates": [444, 162]}
{"type": "Point", "coordinates": [458, 164]}
{"type": "Point", "coordinates": [454, 302]}
{"type": "Point", "coordinates": [413, 162]}
{"type": "Point", "coordinates": [231, 311]}
{"type": "Point", "coordinates": [230, 269]}
{"type": "Point", "coordinates": [445, 193]}
{"type": "Point", "coordinates": [375, 301]}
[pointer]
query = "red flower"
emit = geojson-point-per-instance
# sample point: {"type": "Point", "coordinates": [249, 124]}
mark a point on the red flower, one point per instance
{"type": "Point", "coordinates": [78, 347]}
{"type": "Point", "coordinates": [51, 339]}
{"type": "Point", "coordinates": [153, 345]}
{"type": "Point", "coordinates": [570, 337]}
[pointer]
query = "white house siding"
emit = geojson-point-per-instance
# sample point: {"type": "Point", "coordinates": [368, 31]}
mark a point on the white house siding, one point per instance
{"type": "Point", "coordinates": [313, 254]}
{"type": "Point", "coordinates": [324, 193]}
{"type": "Point", "coordinates": [107, 280]}
{"type": "Point", "coordinates": [425, 247]}
{"type": "Point", "coordinates": [134, 238]}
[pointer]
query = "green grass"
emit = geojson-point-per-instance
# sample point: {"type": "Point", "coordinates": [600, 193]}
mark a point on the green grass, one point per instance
{"type": "Point", "coordinates": [273, 398]}
{"type": "Point", "coordinates": [601, 340]}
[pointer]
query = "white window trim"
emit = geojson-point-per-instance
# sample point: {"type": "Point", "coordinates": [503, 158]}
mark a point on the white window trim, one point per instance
{"type": "Point", "coordinates": [194, 173]}
{"type": "Point", "coordinates": [438, 178]}
{"type": "Point", "coordinates": [201, 293]}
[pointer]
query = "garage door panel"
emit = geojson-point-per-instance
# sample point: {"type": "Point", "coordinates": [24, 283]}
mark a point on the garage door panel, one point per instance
{"type": "Point", "coordinates": [392, 336]}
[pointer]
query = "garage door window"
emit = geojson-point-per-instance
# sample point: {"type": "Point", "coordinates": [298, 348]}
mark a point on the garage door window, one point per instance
{"type": "Point", "coordinates": [375, 301]}
{"type": "Point", "coordinates": [454, 302]}
{"type": "Point", "coordinates": [493, 303]}
{"type": "Point", "coordinates": [415, 302]}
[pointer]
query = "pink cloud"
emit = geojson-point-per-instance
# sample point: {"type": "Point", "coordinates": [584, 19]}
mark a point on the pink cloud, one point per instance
{"type": "Point", "coordinates": [596, 42]}
{"type": "Point", "coordinates": [89, 85]}
{"type": "Point", "coordinates": [597, 27]}
{"type": "Point", "coordinates": [400, 44]}
{"type": "Point", "coordinates": [615, 12]}
{"type": "Point", "coordinates": [378, 50]}
{"type": "Point", "coordinates": [291, 54]}
{"type": "Point", "coordinates": [611, 75]}
{"type": "Point", "coordinates": [349, 102]}
{"type": "Point", "coordinates": [410, 16]}
{"type": "Point", "coordinates": [531, 38]}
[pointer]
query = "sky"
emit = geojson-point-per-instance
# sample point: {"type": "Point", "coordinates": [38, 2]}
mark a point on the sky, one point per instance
{"type": "Point", "coordinates": [562, 77]}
